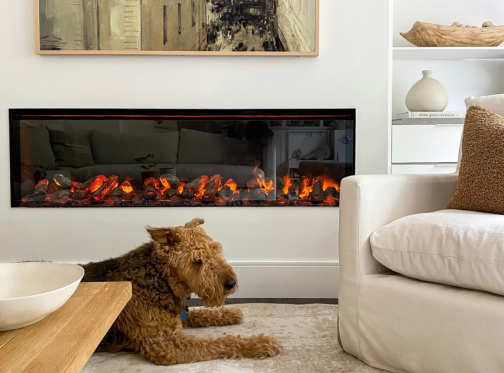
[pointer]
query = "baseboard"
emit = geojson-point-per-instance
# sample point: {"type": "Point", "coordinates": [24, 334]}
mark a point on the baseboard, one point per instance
{"type": "Point", "coordinates": [287, 279]}
{"type": "Point", "coordinates": [196, 302]}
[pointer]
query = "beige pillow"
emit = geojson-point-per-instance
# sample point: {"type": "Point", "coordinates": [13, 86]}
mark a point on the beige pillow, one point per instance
{"type": "Point", "coordinates": [445, 247]}
{"type": "Point", "coordinates": [494, 103]}
{"type": "Point", "coordinates": [480, 185]}
{"type": "Point", "coordinates": [36, 147]}
{"type": "Point", "coordinates": [72, 148]}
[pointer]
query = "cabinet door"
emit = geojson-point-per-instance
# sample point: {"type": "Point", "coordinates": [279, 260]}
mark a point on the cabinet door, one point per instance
{"type": "Point", "coordinates": [426, 143]}
{"type": "Point", "coordinates": [410, 169]}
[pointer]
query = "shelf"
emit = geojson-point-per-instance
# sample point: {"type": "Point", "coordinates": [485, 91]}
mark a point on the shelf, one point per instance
{"type": "Point", "coordinates": [454, 53]}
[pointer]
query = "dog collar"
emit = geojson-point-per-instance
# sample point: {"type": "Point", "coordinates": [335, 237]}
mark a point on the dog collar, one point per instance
{"type": "Point", "coordinates": [184, 313]}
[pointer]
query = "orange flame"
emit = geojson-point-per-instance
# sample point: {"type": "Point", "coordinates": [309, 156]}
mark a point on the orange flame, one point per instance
{"type": "Point", "coordinates": [112, 183]}
{"type": "Point", "coordinates": [56, 180]}
{"type": "Point", "coordinates": [97, 183]}
{"type": "Point", "coordinates": [259, 181]}
{"type": "Point", "coordinates": [288, 183]}
{"type": "Point", "coordinates": [42, 182]}
{"type": "Point", "coordinates": [165, 183]}
{"type": "Point", "coordinates": [181, 187]}
{"type": "Point", "coordinates": [151, 181]}
{"type": "Point", "coordinates": [305, 189]}
{"type": "Point", "coordinates": [232, 185]}
{"type": "Point", "coordinates": [327, 183]}
{"type": "Point", "coordinates": [74, 184]}
{"type": "Point", "coordinates": [126, 187]}
{"type": "Point", "coordinates": [218, 181]}
{"type": "Point", "coordinates": [200, 188]}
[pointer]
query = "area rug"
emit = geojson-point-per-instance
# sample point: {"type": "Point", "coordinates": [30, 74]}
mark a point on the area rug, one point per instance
{"type": "Point", "coordinates": [308, 333]}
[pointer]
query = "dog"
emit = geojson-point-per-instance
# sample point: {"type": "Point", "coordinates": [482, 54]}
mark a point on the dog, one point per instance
{"type": "Point", "coordinates": [164, 272]}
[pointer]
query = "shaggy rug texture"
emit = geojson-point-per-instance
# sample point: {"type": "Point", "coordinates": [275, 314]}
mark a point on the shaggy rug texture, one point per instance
{"type": "Point", "coordinates": [309, 335]}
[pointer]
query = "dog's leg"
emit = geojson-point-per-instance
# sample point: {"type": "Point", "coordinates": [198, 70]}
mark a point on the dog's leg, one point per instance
{"type": "Point", "coordinates": [158, 336]}
{"type": "Point", "coordinates": [183, 349]}
{"type": "Point", "coordinates": [204, 317]}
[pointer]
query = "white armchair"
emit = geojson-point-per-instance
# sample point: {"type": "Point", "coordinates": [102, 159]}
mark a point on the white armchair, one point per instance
{"type": "Point", "coordinates": [397, 323]}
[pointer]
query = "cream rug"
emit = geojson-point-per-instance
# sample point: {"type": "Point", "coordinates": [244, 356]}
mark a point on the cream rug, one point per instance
{"type": "Point", "coordinates": [309, 335]}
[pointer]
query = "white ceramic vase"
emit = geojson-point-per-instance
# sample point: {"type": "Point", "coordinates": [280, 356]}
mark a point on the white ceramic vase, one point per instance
{"type": "Point", "coordinates": [427, 95]}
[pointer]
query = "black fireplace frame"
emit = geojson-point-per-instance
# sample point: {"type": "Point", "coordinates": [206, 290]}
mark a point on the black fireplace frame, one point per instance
{"type": "Point", "coordinates": [18, 114]}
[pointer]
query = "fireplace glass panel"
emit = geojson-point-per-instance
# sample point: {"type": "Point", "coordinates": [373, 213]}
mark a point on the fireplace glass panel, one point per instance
{"type": "Point", "coordinates": [168, 158]}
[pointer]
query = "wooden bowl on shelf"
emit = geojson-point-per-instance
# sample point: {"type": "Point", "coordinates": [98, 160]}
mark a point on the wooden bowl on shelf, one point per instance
{"type": "Point", "coordinates": [457, 35]}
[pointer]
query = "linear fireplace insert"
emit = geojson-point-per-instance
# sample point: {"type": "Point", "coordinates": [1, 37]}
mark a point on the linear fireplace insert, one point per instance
{"type": "Point", "coordinates": [177, 158]}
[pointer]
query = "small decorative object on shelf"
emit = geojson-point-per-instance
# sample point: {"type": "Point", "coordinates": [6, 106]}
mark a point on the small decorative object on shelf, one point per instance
{"type": "Point", "coordinates": [427, 95]}
{"type": "Point", "coordinates": [457, 35]}
{"type": "Point", "coordinates": [322, 152]}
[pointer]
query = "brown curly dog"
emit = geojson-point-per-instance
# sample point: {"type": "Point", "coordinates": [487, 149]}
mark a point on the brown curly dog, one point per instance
{"type": "Point", "coordinates": [164, 272]}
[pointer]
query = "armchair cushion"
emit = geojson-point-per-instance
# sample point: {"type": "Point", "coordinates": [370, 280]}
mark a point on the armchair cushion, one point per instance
{"type": "Point", "coordinates": [451, 247]}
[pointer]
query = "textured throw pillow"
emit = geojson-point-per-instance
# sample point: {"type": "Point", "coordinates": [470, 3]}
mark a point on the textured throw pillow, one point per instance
{"type": "Point", "coordinates": [494, 103]}
{"type": "Point", "coordinates": [121, 148]}
{"type": "Point", "coordinates": [72, 148]}
{"type": "Point", "coordinates": [480, 185]}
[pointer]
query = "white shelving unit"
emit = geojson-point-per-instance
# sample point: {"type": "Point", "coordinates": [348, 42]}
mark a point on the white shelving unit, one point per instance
{"type": "Point", "coordinates": [463, 71]}
{"type": "Point", "coordinates": [455, 53]}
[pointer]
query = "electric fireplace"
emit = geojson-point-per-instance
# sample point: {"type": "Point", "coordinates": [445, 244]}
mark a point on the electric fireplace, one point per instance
{"type": "Point", "coordinates": [177, 158]}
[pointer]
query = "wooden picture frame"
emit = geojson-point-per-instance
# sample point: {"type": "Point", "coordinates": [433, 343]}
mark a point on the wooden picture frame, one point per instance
{"type": "Point", "coordinates": [132, 27]}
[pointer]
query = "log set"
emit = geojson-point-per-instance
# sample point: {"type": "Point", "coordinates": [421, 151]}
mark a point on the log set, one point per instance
{"type": "Point", "coordinates": [169, 191]}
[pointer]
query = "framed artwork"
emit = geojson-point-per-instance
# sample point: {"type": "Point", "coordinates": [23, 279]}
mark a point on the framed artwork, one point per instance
{"type": "Point", "coordinates": [178, 27]}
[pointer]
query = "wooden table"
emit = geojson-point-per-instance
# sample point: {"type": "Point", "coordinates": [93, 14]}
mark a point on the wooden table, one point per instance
{"type": "Point", "coordinates": [66, 339]}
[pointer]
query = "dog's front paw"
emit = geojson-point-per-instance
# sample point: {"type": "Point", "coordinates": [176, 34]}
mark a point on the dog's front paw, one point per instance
{"type": "Point", "coordinates": [232, 315]}
{"type": "Point", "coordinates": [261, 346]}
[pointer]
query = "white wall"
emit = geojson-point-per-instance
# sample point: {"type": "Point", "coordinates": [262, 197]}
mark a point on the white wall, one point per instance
{"type": "Point", "coordinates": [279, 252]}
{"type": "Point", "coordinates": [460, 78]}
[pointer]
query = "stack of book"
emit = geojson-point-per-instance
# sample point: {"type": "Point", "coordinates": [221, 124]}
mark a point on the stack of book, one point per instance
{"type": "Point", "coordinates": [429, 117]}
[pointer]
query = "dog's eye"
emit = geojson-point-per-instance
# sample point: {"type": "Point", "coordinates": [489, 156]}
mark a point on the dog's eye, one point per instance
{"type": "Point", "coordinates": [197, 261]}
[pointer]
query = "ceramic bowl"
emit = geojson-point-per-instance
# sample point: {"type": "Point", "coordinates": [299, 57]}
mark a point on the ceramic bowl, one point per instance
{"type": "Point", "coordinates": [31, 291]}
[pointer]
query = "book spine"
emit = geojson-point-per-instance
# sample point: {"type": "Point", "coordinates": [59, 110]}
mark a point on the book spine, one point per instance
{"type": "Point", "coordinates": [419, 115]}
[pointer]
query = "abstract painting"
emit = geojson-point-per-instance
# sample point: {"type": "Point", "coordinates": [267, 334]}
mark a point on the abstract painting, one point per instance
{"type": "Point", "coordinates": [178, 27]}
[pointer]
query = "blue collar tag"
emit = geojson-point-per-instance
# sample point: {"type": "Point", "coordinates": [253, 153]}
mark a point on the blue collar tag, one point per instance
{"type": "Point", "coordinates": [184, 315]}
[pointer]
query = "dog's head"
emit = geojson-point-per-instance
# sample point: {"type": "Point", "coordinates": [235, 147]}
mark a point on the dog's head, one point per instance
{"type": "Point", "coordinates": [195, 261]}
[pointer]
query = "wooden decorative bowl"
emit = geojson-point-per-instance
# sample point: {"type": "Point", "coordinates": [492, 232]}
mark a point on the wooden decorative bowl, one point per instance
{"type": "Point", "coordinates": [431, 35]}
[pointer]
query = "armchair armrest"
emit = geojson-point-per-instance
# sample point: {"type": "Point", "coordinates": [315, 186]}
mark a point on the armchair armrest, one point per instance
{"type": "Point", "coordinates": [371, 202]}
{"type": "Point", "coordinates": [368, 203]}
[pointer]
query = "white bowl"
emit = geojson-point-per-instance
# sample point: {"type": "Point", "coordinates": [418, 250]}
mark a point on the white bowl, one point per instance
{"type": "Point", "coordinates": [31, 291]}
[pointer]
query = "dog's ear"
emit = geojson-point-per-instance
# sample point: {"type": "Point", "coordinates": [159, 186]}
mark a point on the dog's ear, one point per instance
{"type": "Point", "coordinates": [163, 235]}
{"type": "Point", "coordinates": [194, 223]}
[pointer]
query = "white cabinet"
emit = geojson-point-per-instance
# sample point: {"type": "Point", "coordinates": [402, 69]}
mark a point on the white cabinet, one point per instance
{"type": "Point", "coordinates": [410, 169]}
{"type": "Point", "coordinates": [425, 148]}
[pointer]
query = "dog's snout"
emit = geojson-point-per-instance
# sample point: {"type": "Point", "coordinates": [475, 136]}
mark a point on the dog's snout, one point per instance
{"type": "Point", "coordinates": [229, 284]}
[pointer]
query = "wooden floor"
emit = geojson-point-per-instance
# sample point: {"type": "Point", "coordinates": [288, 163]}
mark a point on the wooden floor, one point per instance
{"type": "Point", "coordinates": [198, 302]}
